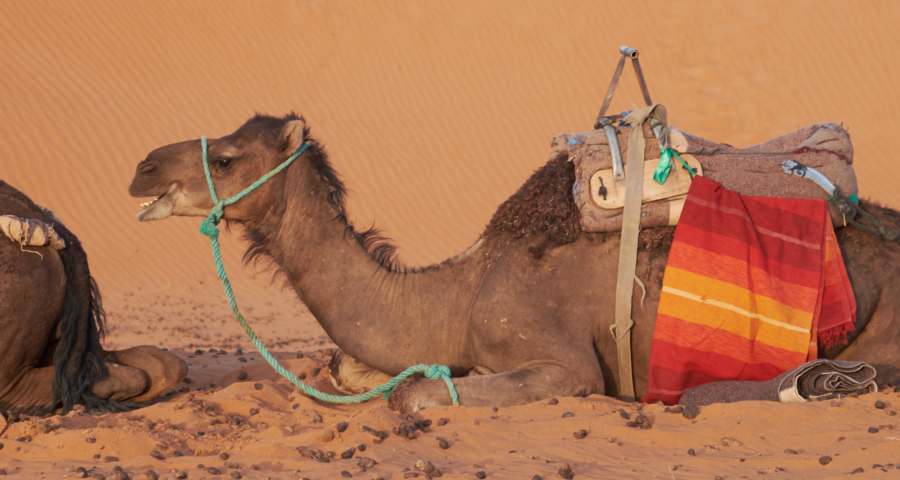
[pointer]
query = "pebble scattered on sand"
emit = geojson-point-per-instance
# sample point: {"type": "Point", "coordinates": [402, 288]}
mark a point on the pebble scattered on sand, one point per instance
{"type": "Point", "coordinates": [151, 475]}
{"type": "Point", "coordinates": [580, 434]}
{"type": "Point", "coordinates": [873, 430]}
{"type": "Point", "coordinates": [566, 472]}
{"type": "Point", "coordinates": [858, 470]}
{"type": "Point", "coordinates": [790, 451]}
{"type": "Point", "coordinates": [880, 405]}
{"type": "Point", "coordinates": [568, 414]}
{"type": "Point", "coordinates": [157, 454]}
{"type": "Point", "coordinates": [553, 401]}
{"type": "Point", "coordinates": [824, 460]}
{"type": "Point", "coordinates": [442, 442]}
{"type": "Point", "coordinates": [242, 375]}
{"type": "Point", "coordinates": [675, 409]}
{"type": "Point", "coordinates": [258, 386]}
{"type": "Point", "coordinates": [365, 462]}
{"type": "Point", "coordinates": [731, 442]}
{"type": "Point", "coordinates": [691, 452]}
{"type": "Point", "coordinates": [690, 412]}
{"type": "Point", "coordinates": [480, 475]}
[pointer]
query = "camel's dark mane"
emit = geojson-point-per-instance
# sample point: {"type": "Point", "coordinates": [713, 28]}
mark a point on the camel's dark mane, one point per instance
{"type": "Point", "coordinates": [542, 208]}
{"type": "Point", "coordinates": [268, 130]}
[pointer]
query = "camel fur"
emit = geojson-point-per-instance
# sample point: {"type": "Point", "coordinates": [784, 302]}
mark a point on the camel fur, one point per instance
{"type": "Point", "coordinates": [532, 300]}
{"type": "Point", "coordinates": [52, 321]}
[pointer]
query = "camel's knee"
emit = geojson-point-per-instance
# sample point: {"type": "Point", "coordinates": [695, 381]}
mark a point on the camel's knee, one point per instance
{"type": "Point", "coordinates": [121, 384]}
{"type": "Point", "coordinates": [418, 392]}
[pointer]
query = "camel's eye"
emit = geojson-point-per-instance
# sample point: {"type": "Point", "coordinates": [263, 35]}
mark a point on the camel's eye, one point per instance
{"type": "Point", "coordinates": [224, 161]}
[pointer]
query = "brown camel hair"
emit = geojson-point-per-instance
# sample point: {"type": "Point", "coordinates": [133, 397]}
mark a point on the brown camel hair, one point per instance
{"type": "Point", "coordinates": [52, 322]}
{"type": "Point", "coordinates": [532, 300]}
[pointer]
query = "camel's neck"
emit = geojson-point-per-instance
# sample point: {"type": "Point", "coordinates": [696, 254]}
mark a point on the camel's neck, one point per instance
{"type": "Point", "coordinates": [387, 320]}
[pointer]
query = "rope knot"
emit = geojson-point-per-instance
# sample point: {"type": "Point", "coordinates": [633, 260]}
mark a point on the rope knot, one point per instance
{"type": "Point", "coordinates": [209, 226]}
{"type": "Point", "coordinates": [437, 371]}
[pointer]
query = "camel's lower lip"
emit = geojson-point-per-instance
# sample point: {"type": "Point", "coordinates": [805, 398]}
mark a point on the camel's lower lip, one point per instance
{"type": "Point", "coordinates": [161, 207]}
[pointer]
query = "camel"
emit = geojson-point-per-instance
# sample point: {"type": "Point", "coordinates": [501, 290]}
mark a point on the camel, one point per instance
{"type": "Point", "coordinates": [530, 303]}
{"type": "Point", "coordinates": [52, 320]}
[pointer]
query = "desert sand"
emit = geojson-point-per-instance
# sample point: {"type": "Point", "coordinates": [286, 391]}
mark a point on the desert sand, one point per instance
{"type": "Point", "coordinates": [434, 113]}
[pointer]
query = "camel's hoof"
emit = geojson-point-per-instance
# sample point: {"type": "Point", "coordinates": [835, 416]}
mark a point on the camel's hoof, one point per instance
{"type": "Point", "coordinates": [162, 369]}
{"type": "Point", "coordinates": [352, 377]}
{"type": "Point", "coordinates": [417, 392]}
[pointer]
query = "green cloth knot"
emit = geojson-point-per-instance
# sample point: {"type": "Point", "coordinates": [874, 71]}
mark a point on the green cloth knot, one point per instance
{"type": "Point", "coordinates": [665, 165]}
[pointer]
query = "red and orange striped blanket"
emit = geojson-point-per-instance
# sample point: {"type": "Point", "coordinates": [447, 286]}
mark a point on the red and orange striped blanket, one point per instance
{"type": "Point", "coordinates": [753, 286]}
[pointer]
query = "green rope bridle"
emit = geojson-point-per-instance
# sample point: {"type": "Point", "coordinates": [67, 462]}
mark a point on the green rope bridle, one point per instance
{"type": "Point", "coordinates": [209, 227]}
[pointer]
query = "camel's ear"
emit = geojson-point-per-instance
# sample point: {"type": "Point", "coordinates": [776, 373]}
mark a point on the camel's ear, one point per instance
{"type": "Point", "coordinates": [292, 136]}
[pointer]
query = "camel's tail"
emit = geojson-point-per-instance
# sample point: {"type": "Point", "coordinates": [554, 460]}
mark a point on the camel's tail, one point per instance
{"type": "Point", "coordinates": [77, 358]}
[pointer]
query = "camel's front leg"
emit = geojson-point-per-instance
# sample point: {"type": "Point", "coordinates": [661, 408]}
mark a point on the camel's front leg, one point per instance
{"type": "Point", "coordinates": [497, 390]}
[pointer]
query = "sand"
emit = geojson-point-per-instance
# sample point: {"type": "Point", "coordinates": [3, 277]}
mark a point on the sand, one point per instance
{"type": "Point", "coordinates": [434, 113]}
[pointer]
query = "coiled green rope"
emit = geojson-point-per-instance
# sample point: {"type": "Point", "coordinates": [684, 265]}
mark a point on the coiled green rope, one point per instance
{"type": "Point", "coordinates": [209, 227]}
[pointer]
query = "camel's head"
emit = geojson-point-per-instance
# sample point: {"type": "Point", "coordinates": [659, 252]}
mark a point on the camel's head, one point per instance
{"type": "Point", "coordinates": [174, 175]}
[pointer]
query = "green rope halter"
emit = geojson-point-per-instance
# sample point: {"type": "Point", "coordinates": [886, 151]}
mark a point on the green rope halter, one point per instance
{"type": "Point", "coordinates": [209, 227]}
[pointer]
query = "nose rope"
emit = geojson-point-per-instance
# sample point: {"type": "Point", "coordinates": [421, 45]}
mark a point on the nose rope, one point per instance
{"type": "Point", "coordinates": [209, 227]}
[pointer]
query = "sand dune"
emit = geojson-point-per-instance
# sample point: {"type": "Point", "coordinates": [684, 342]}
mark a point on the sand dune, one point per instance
{"type": "Point", "coordinates": [434, 113]}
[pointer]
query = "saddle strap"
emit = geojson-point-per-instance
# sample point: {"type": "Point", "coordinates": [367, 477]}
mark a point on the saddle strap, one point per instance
{"type": "Point", "coordinates": [631, 228]}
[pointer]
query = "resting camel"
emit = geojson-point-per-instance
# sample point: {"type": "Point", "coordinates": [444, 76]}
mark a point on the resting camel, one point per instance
{"type": "Point", "coordinates": [530, 303]}
{"type": "Point", "coordinates": [52, 321]}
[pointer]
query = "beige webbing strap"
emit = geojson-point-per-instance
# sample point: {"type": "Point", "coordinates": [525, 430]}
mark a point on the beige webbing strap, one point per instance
{"type": "Point", "coordinates": [631, 228]}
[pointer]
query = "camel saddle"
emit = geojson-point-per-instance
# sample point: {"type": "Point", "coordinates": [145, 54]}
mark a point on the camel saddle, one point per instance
{"type": "Point", "coordinates": [781, 167]}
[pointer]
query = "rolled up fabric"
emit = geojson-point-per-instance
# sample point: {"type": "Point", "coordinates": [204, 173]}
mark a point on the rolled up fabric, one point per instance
{"type": "Point", "coordinates": [807, 382]}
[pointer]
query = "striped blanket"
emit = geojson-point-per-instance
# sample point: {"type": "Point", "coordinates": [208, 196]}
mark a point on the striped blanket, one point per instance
{"type": "Point", "coordinates": [753, 287]}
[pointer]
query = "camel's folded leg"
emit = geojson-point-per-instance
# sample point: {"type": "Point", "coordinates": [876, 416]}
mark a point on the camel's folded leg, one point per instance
{"type": "Point", "coordinates": [159, 370]}
{"type": "Point", "coordinates": [32, 390]}
{"type": "Point", "coordinates": [497, 390]}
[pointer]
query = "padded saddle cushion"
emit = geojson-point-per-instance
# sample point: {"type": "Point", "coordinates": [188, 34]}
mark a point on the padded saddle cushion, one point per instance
{"type": "Point", "coordinates": [755, 170]}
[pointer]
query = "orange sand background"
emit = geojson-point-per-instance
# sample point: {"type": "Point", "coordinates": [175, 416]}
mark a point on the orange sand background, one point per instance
{"type": "Point", "coordinates": [434, 112]}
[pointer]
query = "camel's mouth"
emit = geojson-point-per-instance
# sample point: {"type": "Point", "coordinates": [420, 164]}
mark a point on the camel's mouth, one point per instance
{"type": "Point", "coordinates": [159, 208]}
